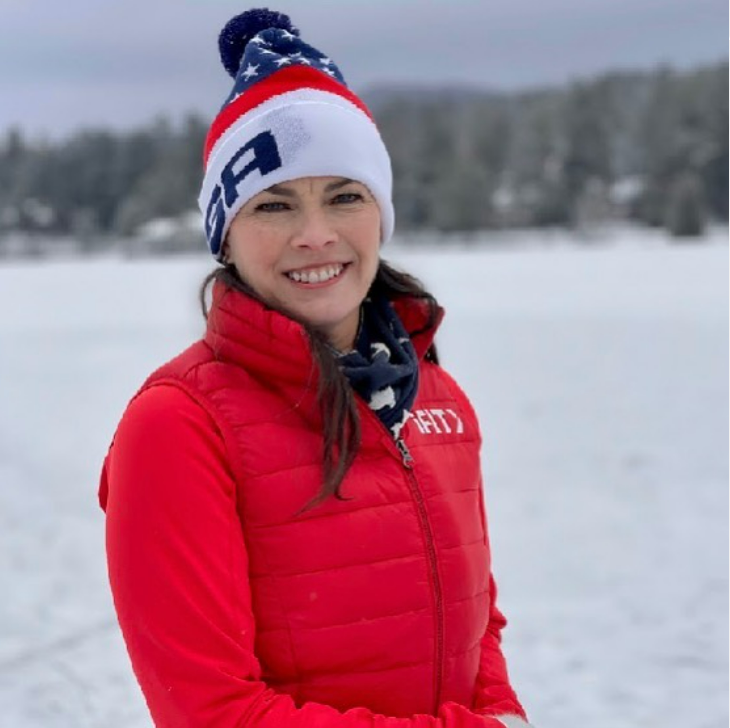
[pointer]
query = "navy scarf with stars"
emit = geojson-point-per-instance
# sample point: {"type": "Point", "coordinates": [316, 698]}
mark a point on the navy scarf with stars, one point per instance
{"type": "Point", "coordinates": [383, 366]}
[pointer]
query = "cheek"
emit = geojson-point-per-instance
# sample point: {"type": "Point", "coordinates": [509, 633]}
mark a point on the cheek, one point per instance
{"type": "Point", "coordinates": [256, 267]}
{"type": "Point", "coordinates": [372, 252]}
{"type": "Point", "coordinates": [252, 251]}
{"type": "Point", "coordinates": [368, 237]}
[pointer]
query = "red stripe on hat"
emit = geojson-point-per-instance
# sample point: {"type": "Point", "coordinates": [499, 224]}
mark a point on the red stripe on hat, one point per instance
{"type": "Point", "coordinates": [290, 78]}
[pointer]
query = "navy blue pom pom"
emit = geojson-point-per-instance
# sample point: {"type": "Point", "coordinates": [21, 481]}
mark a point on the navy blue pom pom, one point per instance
{"type": "Point", "coordinates": [238, 32]}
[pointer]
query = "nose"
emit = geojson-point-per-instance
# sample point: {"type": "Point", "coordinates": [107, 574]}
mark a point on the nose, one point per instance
{"type": "Point", "coordinates": [313, 229]}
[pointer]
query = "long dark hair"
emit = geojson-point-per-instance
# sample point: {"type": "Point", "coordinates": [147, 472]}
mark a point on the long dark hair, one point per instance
{"type": "Point", "coordinates": [335, 397]}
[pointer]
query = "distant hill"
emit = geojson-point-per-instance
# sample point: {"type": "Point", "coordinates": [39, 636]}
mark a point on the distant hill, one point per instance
{"type": "Point", "coordinates": [380, 95]}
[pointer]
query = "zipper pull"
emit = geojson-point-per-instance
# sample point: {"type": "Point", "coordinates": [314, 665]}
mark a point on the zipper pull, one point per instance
{"type": "Point", "coordinates": [404, 452]}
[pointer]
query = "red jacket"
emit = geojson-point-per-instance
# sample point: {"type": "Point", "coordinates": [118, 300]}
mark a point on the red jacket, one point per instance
{"type": "Point", "coordinates": [237, 610]}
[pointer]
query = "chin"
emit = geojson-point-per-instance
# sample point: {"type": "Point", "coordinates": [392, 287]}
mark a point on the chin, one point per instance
{"type": "Point", "coordinates": [331, 323]}
{"type": "Point", "coordinates": [323, 322]}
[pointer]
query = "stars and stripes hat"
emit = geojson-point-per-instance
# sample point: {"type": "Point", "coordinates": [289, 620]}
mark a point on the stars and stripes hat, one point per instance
{"type": "Point", "coordinates": [289, 115]}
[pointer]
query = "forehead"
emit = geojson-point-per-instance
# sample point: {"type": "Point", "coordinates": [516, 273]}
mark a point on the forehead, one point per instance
{"type": "Point", "coordinates": [310, 185]}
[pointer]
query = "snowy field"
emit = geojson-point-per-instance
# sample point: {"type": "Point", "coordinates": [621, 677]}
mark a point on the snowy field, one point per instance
{"type": "Point", "coordinates": [601, 378]}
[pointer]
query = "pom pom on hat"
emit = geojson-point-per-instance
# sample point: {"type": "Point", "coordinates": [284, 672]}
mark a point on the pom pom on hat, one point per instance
{"type": "Point", "coordinates": [289, 115]}
{"type": "Point", "coordinates": [238, 31]}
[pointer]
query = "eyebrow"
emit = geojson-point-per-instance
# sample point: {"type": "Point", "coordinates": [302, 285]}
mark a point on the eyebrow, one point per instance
{"type": "Point", "coordinates": [287, 192]}
{"type": "Point", "coordinates": [336, 185]}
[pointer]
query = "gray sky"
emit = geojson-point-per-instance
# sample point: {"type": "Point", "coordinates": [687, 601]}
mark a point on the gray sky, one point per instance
{"type": "Point", "coordinates": [88, 62]}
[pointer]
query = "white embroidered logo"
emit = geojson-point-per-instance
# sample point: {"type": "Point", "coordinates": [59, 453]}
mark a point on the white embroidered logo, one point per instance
{"type": "Point", "coordinates": [437, 421]}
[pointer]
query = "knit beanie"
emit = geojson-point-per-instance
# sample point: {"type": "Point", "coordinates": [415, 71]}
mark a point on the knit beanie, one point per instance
{"type": "Point", "coordinates": [289, 115]}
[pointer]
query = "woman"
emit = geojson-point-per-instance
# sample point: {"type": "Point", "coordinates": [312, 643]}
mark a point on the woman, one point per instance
{"type": "Point", "coordinates": [295, 526]}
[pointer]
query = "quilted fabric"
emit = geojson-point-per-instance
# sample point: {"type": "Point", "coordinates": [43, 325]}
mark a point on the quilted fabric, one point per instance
{"type": "Point", "coordinates": [379, 604]}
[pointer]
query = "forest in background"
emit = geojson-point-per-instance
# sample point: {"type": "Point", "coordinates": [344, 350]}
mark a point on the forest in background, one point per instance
{"type": "Point", "coordinates": [646, 147]}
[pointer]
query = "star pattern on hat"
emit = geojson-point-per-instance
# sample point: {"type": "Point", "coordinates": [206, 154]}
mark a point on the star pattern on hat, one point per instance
{"type": "Point", "coordinates": [275, 48]}
{"type": "Point", "coordinates": [299, 56]}
{"type": "Point", "coordinates": [251, 71]}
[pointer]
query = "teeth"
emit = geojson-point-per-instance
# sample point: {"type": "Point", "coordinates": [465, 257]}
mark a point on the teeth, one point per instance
{"type": "Point", "coordinates": [316, 276]}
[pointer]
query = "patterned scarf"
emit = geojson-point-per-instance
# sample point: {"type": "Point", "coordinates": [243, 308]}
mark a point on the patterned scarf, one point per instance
{"type": "Point", "coordinates": [383, 366]}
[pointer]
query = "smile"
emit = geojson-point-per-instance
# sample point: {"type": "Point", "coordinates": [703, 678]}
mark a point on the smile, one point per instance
{"type": "Point", "coordinates": [317, 275]}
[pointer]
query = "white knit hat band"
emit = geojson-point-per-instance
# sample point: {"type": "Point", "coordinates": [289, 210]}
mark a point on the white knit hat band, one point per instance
{"type": "Point", "coordinates": [298, 134]}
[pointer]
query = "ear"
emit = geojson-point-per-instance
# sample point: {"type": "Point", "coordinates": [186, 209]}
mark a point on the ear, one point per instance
{"type": "Point", "coordinates": [226, 254]}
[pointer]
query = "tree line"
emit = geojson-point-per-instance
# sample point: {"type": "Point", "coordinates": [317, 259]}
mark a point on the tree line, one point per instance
{"type": "Point", "coordinates": [651, 147]}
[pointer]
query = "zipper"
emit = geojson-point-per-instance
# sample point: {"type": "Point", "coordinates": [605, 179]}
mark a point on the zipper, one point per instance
{"type": "Point", "coordinates": [405, 453]}
{"type": "Point", "coordinates": [437, 588]}
{"type": "Point", "coordinates": [407, 460]}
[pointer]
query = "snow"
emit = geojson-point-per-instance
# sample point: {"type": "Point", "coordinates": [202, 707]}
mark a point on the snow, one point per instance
{"type": "Point", "coordinates": [600, 375]}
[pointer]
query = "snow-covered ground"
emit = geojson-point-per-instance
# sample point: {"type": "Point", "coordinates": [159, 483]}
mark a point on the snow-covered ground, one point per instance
{"type": "Point", "coordinates": [601, 378]}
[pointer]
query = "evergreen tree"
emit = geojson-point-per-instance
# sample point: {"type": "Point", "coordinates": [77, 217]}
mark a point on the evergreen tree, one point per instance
{"type": "Point", "coordinates": [586, 119]}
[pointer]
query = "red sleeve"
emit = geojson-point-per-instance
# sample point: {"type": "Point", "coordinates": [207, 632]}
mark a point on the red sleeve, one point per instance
{"type": "Point", "coordinates": [494, 694]}
{"type": "Point", "coordinates": [177, 566]}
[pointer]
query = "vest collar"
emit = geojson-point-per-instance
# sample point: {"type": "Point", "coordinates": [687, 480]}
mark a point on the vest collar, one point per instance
{"type": "Point", "coordinates": [271, 346]}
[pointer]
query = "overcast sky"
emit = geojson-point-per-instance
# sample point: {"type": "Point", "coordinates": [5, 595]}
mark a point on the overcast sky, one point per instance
{"type": "Point", "coordinates": [79, 63]}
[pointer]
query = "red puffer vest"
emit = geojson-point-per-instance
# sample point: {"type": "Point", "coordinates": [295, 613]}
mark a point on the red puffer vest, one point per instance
{"type": "Point", "coordinates": [382, 600]}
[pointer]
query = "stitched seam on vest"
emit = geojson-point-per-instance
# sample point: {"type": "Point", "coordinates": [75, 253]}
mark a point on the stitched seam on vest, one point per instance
{"type": "Point", "coordinates": [479, 541]}
{"type": "Point", "coordinates": [420, 610]}
{"type": "Point", "coordinates": [466, 599]}
{"type": "Point", "coordinates": [309, 519]}
{"type": "Point", "coordinates": [365, 619]}
{"type": "Point", "coordinates": [276, 471]}
{"type": "Point", "coordinates": [328, 569]}
{"type": "Point", "coordinates": [383, 616]}
{"type": "Point", "coordinates": [446, 493]}
{"type": "Point", "coordinates": [454, 655]}
{"type": "Point", "coordinates": [360, 565]}
{"type": "Point", "coordinates": [266, 419]}
{"type": "Point", "coordinates": [386, 616]}
{"type": "Point", "coordinates": [433, 441]}
{"type": "Point", "coordinates": [254, 386]}
{"type": "Point", "coordinates": [372, 670]}
{"type": "Point", "coordinates": [313, 464]}
{"type": "Point", "coordinates": [399, 666]}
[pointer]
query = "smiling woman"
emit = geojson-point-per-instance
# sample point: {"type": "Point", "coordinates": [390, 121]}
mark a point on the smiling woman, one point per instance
{"type": "Point", "coordinates": [296, 531]}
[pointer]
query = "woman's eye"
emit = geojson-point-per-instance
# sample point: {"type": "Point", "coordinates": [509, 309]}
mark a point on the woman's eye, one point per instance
{"type": "Point", "coordinates": [271, 206]}
{"type": "Point", "coordinates": [347, 197]}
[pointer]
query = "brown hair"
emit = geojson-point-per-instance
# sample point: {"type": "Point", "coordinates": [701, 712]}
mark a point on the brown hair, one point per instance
{"type": "Point", "coordinates": [335, 397]}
